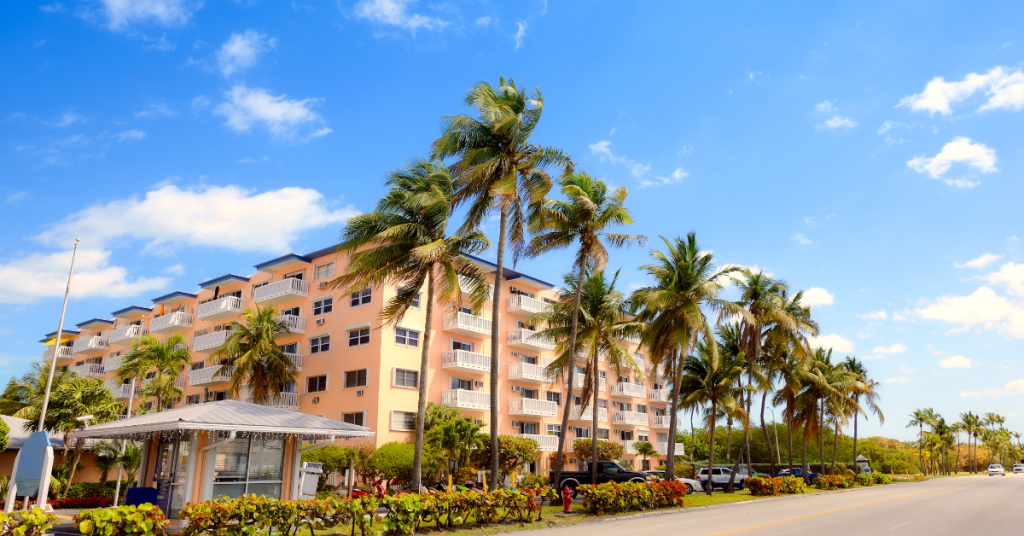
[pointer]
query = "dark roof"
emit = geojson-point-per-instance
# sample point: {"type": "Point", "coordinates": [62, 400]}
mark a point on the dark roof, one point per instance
{"type": "Point", "coordinates": [173, 295]}
{"type": "Point", "coordinates": [94, 321]}
{"type": "Point", "coordinates": [281, 259]}
{"type": "Point", "coordinates": [132, 309]}
{"type": "Point", "coordinates": [322, 252]}
{"type": "Point", "coordinates": [509, 274]}
{"type": "Point", "coordinates": [63, 332]}
{"type": "Point", "coordinates": [18, 435]}
{"type": "Point", "coordinates": [223, 279]}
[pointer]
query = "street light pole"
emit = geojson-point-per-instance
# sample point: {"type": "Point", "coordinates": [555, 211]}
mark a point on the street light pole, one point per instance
{"type": "Point", "coordinates": [56, 343]}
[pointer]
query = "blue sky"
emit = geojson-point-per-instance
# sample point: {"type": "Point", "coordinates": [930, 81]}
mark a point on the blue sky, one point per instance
{"type": "Point", "coordinates": [869, 154]}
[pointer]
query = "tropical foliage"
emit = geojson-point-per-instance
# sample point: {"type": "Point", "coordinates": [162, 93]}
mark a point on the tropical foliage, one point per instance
{"type": "Point", "coordinates": [252, 354]}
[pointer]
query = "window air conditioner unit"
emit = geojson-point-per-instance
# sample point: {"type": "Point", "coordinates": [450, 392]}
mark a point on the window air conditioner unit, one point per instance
{"type": "Point", "coordinates": [477, 422]}
{"type": "Point", "coordinates": [479, 384]}
{"type": "Point", "coordinates": [319, 321]}
{"type": "Point", "coordinates": [514, 290]}
{"type": "Point", "coordinates": [359, 392]}
{"type": "Point", "coordinates": [316, 399]}
{"type": "Point", "coordinates": [515, 424]}
{"type": "Point", "coordinates": [515, 388]}
{"type": "Point", "coordinates": [515, 354]}
{"type": "Point", "coordinates": [323, 285]}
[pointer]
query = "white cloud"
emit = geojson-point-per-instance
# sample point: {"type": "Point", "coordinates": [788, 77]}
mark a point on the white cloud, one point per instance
{"type": "Point", "coordinates": [242, 50]}
{"type": "Point", "coordinates": [55, 7]}
{"type": "Point", "coordinates": [156, 109]}
{"type": "Point", "coordinates": [677, 175]}
{"type": "Point", "coordinates": [833, 341]}
{"type": "Point", "coordinates": [961, 149]}
{"type": "Point", "coordinates": [520, 34]}
{"type": "Point", "coordinates": [826, 106]}
{"type": "Point", "coordinates": [200, 103]}
{"type": "Point", "coordinates": [881, 351]}
{"type": "Point", "coordinates": [1004, 87]}
{"type": "Point", "coordinates": [799, 237]}
{"type": "Point", "coordinates": [68, 118]}
{"type": "Point", "coordinates": [123, 13]}
{"type": "Point", "coordinates": [1012, 275]}
{"type": "Point", "coordinates": [38, 276]}
{"type": "Point", "coordinates": [956, 361]}
{"type": "Point", "coordinates": [129, 135]}
{"type": "Point", "coordinates": [1015, 387]}
{"type": "Point", "coordinates": [837, 122]}
{"type": "Point", "coordinates": [394, 13]}
{"type": "Point", "coordinates": [16, 196]}
{"type": "Point", "coordinates": [980, 262]}
{"type": "Point", "coordinates": [889, 125]}
{"type": "Point", "coordinates": [176, 269]}
{"type": "Point", "coordinates": [229, 217]}
{"type": "Point", "coordinates": [483, 21]}
{"type": "Point", "coordinates": [817, 296]}
{"type": "Point", "coordinates": [251, 160]}
{"type": "Point", "coordinates": [900, 316]}
{"type": "Point", "coordinates": [282, 117]}
{"type": "Point", "coordinates": [899, 379]}
{"type": "Point", "coordinates": [877, 315]}
{"type": "Point", "coordinates": [983, 308]}
{"type": "Point", "coordinates": [603, 150]}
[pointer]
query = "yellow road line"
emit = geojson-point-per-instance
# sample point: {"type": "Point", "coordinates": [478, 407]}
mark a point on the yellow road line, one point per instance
{"type": "Point", "coordinates": [829, 512]}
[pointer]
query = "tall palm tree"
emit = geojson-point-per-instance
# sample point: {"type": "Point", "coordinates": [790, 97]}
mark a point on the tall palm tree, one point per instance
{"type": "Point", "coordinates": [827, 390]}
{"type": "Point", "coordinates": [792, 372]}
{"type": "Point", "coordinates": [24, 396]}
{"type": "Point", "coordinates": [869, 393]}
{"type": "Point", "coordinates": [686, 284]}
{"type": "Point", "coordinates": [167, 359]}
{"type": "Point", "coordinates": [973, 427]}
{"type": "Point", "coordinates": [919, 418]}
{"type": "Point", "coordinates": [498, 168]}
{"type": "Point", "coordinates": [456, 439]}
{"type": "Point", "coordinates": [252, 350]}
{"type": "Point", "coordinates": [709, 379]}
{"type": "Point", "coordinates": [404, 242]}
{"type": "Point", "coordinates": [586, 214]}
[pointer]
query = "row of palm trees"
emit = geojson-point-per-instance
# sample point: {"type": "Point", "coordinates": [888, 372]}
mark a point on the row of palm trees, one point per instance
{"type": "Point", "coordinates": [942, 438]}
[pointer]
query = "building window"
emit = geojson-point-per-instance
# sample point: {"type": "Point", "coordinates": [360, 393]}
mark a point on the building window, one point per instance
{"type": "Point", "coordinates": [245, 465]}
{"type": "Point", "coordinates": [415, 303]}
{"type": "Point", "coordinates": [291, 348]}
{"type": "Point", "coordinates": [322, 307]}
{"type": "Point", "coordinates": [528, 393]}
{"type": "Point", "coordinates": [360, 297]}
{"type": "Point", "coordinates": [602, 433]}
{"type": "Point", "coordinates": [319, 344]}
{"type": "Point", "coordinates": [316, 384]}
{"type": "Point", "coordinates": [403, 420]}
{"type": "Point", "coordinates": [355, 418]}
{"type": "Point", "coordinates": [626, 435]}
{"type": "Point", "coordinates": [581, 432]}
{"type": "Point", "coordinates": [359, 337]}
{"type": "Point", "coordinates": [256, 286]}
{"type": "Point", "coordinates": [218, 395]}
{"type": "Point", "coordinates": [554, 429]}
{"type": "Point", "coordinates": [407, 337]}
{"type": "Point", "coordinates": [355, 378]}
{"type": "Point", "coordinates": [458, 383]}
{"type": "Point", "coordinates": [530, 428]}
{"type": "Point", "coordinates": [640, 408]}
{"type": "Point", "coordinates": [462, 345]}
{"type": "Point", "coordinates": [406, 378]}
{"type": "Point", "coordinates": [192, 399]}
{"type": "Point", "coordinates": [325, 271]}
{"type": "Point", "coordinates": [555, 397]}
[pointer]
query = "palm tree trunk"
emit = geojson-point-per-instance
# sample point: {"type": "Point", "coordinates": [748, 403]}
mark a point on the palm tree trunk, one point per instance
{"type": "Point", "coordinates": [421, 405]}
{"type": "Point", "coordinates": [495, 343]}
{"type": "Point", "coordinates": [789, 432]}
{"type": "Point", "coordinates": [750, 399]}
{"type": "Point", "coordinates": [764, 430]}
{"type": "Point", "coordinates": [593, 443]}
{"type": "Point", "coordinates": [79, 445]}
{"type": "Point", "coordinates": [709, 489]}
{"type": "Point", "coordinates": [728, 440]}
{"type": "Point", "coordinates": [821, 440]}
{"type": "Point", "coordinates": [572, 369]}
{"type": "Point", "coordinates": [855, 415]}
{"type": "Point", "coordinates": [920, 448]}
{"type": "Point", "coordinates": [673, 421]}
{"type": "Point", "coordinates": [835, 445]}
{"type": "Point", "coordinates": [803, 455]}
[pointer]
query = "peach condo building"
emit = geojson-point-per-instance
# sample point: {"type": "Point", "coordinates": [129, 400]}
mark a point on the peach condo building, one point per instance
{"type": "Point", "coordinates": [353, 370]}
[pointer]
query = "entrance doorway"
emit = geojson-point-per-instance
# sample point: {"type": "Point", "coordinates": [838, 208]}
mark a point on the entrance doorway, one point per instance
{"type": "Point", "coordinates": [171, 467]}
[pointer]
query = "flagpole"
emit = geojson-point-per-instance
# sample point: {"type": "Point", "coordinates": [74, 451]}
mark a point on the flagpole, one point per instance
{"type": "Point", "coordinates": [56, 344]}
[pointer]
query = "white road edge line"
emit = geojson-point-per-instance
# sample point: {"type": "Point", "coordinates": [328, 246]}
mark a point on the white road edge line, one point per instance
{"type": "Point", "coordinates": [898, 526]}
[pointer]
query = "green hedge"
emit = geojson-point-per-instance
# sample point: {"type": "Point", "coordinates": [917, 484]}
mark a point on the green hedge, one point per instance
{"type": "Point", "coordinates": [142, 520]}
{"type": "Point", "coordinates": [619, 497]}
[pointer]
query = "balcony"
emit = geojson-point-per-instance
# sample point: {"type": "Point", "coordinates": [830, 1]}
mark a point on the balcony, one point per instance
{"type": "Point", "coordinates": [658, 395]}
{"type": "Point", "coordinates": [176, 321]}
{"type": "Point", "coordinates": [628, 446]}
{"type": "Point", "coordinates": [629, 418]}
{"type": "Point", "coordinates": [89, 370]}
{"type": "Point", "coordinates": [210, 341]}
{"type": "Point", "coordinates": [127, 333]}
{"type": "Point", "coordinates": [288, 401]}
{"type": "Point", "coordinates": [528, 372]}
{"type": "Point", "coordinates": [579, 415]}
{"type": "Point", "coordinates": [295, 324]}
{"type": "Point", "coordinates": [210, 374]}
{"type": "Point", "coordinates": [660, 421]}
{"type": "Point", "coordinates": [90, 345]}
{"type": "Point", "coordinates": [662, 449]}
{"type": "Point", "coordinates": [287, 289]}
{"type": "Point", "coordinates": [530, 406]}
{"type": "Point", "coordinates": [112, 363]}
{"type": "Point", "coordinates": [296, 359]}
{"type": "Point", "coordinates": [121, 390]}
{"type": "Point", "coordinates": [529, 339]}
{"type": "Point", "coordinates": [629, 390]}
{"type": "Point", "coordinates": [464, 361]}
{"type": "Point", "coordinates": [527, 306]}
{"type": "Point", "coordinates": [226, 307]}
{"type": "Point", "coordinates": [639, 360]}
{"type": "Point", "coordinates": [548, 443]}
{"type": "Point", "coordinates": [460, 398]}
{"type": "Point", "coordinates": [577, 382]}
{"type": "Point", "coordinates": [467, 324]}
{"type": "Point", "coordinates": [464, 287]}
{"type": "Point", "coordinates": [63, 352]}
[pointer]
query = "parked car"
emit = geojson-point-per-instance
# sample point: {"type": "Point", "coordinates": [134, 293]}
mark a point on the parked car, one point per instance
{"type": "Point", "coordinates": [691, 485]}
{"type": "Point", "coordinates": [606, 472]}
{"type": "Point", "coordinates": [1018, 468]}
{"type": "Point", "coordinates": [799, 473]}
{"type": "Point", "coordinates": [996, 469]}
{"type": "Point", "coordinates": [720, 477]}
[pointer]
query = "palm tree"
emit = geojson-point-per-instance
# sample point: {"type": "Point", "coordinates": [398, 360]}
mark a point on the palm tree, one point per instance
{"type": "Point", "coordinates": [645, 449]}
{"type": "Point", "coordinates": [709, 379]}
{"type": "Point", "coordinates": [826, 390]}
{"type": "Point", "coordinates": [456, 439]}
{"type": "Point", "coordinates": [167, 359]}
{"type": "Point", "coordinates": [105, 457]}
{"type": "Point", "coordinates": [792, 372]}
{"type": "Point", "coordinates": [972, 426]}
{"type": "Point", "coordinates": [919, 418]}
{"type": "Point", "coordinates": [499, 169]}
{"type": "Point", "coordinates": [252, 351]}
{"type": "Point", "coordinates": [686, 284]}
{"type": "Point", "coordinates": [24, 396]}
{"type": "Point", "coordinates": [584, 217]}
{"type": "Point", "coordinates": [870, 394]}
{"type": "Point", "coordinates": [129, 461]}
{"type": "Point", "coordinates": [404, 242]}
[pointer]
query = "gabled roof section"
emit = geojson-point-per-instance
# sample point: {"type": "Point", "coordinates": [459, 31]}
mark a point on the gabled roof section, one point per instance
{"type": "Point", "coordinates": [509, 274]}
{"type": "Point", "coordinates": [223, 280]}
{"type": "Point", "coordinates": [64, 335]}
{"type": "Point", "coordinates": [18, 435]}
{"type": "Point", "coordinates": [226, 416]}
{"type": "Point", "coordinates": [130, 311]}
{"type": "Point", "coordinates": [282, 262]}
{"type": "Point", "coordinates": [94, 323]}
{"type": "Point", "coordinates": [173, 295]}
{"type": "Point", "coordinates": [329, 250]}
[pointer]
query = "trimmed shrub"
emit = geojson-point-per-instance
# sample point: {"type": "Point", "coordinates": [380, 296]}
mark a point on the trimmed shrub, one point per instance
{"type": "Point", "coordinates": [881, 478]}
{"type": "Point", "coordinates": [533, 480]}
{"type": "Point", "coordinates": [83, 490]}
{"type": "Point", "coordinates": [792, 485]}
{"type": "Point", "coordinates": [619, 497]}
{"type": "Point", "coordinates": [394, 460]}
{"type": "Point", "coordinates": [34, 522]}
{"type": "Point", "coordinates": [141, 520]}
{"type": "Point", "coordinates": [864, 479]}
{"type": "Point", "coordinates": [5, 435]}
{"type": "Point", "coordinates": [606, 450]}
{"type": "Point", "coordinates": [764, 487]}
{"type": "Point", "coordinates": [831, 482]}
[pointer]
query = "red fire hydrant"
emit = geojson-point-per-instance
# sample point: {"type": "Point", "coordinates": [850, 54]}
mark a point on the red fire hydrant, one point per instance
{"type": "Point", "coordinates": [566, 500]}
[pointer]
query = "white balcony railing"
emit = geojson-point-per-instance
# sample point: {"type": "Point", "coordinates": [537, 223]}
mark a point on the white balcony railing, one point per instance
{"type": "Point", "coordinates": [466, 323]}
{"type": "Point", "coordinates": [528, 372]}
{"type": "Point", "coordinates": [548, 443]}
{"type": "Point", "coordinates": [658, 395]}
{"type": "Point", "coordinates": [210, 374]}
{"type": "Point", "coordinates": [220, 308]}
{"type": "Point", "coordinates": [176, 321]}
{"type": "Point", "coordinates": [579, 415]}
{"type": "Point", "coordinates": [640, 363]}
{"type": "Point", "coordinates": [112, 363]}
{"type": "Point", "coordinates": [289, 401]}
{"type": "Point", "coordinates": [530, 406]}
{"type": "Point", "coordinates": [464, 286]}
{"type": "Point", "coordinates": [283, 290]}
{"type": "Point", "coordinates": [89, 345]}
{"type": "Point", "coordinates": [577, 382]}
{"type": "Point", "coordinates": [121, 390]}
{"type": "Point", "coordinates": [210, 341]}
{"type": "Point", "coordinates": [295, 324]}
{"type": "Point", "coordinates": [527, 305]}
{"type": "Point", "coordinates": [127, 332]}
{"type": "Point", "coordinates": [629, 418]}
{"type": "Point", "coordinates": [527, 338]}
{"type": "Point", "coordinates": [296, 359]}
{"type": "Point", "coordinates": [662, 449]}
{"type": "Point", "coordinates": [628, 389]}
{"type": "Point", "coordinates": [465, 361]}
{"type": "Point", "coordinates": [63, 352]}
{"type": "Point", "coordinates": [660, 421]}
{"type": "Point", "coordinates": [89, 370]}
{"type": "Point", "coordinates": [460, 398]}
{"type": "Point", "coordinates": [628, 447]}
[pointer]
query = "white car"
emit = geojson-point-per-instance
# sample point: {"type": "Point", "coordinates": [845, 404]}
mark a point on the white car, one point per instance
{"type": "Point", "coordinates": [691, 485]}
{"type": "Point", "coordinates": [1018, 468]}
{"type": "Point", "coordinates": [720, 477]}
{"type": "Point", "coordinates": [996, 469]}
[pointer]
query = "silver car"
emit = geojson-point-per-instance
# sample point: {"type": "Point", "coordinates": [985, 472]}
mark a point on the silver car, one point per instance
{"type": "Point", "coordinates": [691, 485]}
{"type": "Point", "coordinates": [996, 469]}
{"type": "Point", "coordinates": [1018, 468]}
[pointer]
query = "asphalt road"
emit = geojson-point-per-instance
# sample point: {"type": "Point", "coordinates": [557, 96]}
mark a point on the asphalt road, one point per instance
{"type": "Point", "coordinates": [953, 506]}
